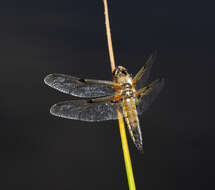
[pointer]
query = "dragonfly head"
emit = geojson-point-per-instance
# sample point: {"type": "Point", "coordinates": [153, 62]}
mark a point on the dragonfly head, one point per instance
{"type": "Point", "coordinates": [120, 72]}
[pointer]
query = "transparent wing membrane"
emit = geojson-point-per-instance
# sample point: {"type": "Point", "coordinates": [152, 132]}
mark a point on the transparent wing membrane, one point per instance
{"type": "Point", "coordinates": [143, 75]}
{"type": "Point", "coordinates": [84, 88]}
{"type": "Point", "coordinates": [100, 100]}
{"type": "Point", "coordinates": [85, 110]}
{"type": "Point", "coordinates": [149, 95]}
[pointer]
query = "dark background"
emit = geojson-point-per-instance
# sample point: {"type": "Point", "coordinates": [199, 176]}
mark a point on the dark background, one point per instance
{"type": "Point", "coordinates": [40, 151]}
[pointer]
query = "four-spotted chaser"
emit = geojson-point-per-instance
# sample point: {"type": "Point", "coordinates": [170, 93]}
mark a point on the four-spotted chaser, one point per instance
{"type": "Point", "coordinates": [99, 99]}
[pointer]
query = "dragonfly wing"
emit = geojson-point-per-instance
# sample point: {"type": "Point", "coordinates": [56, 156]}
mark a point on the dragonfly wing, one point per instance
{"type": "Point", "coordinates": [149, 95]}
{"type": "Point", "coordinates": [145, 71]}
{"type": "Point", "coordinates": [85, 110]}
{"type": "Point", "coordinates": [84, 88]}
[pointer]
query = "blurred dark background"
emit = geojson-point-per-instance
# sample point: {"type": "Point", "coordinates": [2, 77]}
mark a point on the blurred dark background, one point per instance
{"type": "Point", "coordinates": [40, 151]}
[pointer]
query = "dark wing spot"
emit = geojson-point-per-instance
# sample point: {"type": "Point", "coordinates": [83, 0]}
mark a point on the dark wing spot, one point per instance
{"type": "Point", "coordinates": [90, 101]}
{"type": "Point", "coordinates": [82, 80]}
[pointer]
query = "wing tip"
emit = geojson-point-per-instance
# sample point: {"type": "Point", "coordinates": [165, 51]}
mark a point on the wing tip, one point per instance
{"type": "Point", "coordinates": [48, 80]}
{"type": "Point", "coordinates": [53, 111]}
{"type": "Point", "coordinates": [151, 59]}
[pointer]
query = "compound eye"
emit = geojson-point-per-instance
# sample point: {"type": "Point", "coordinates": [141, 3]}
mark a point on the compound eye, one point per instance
{"type": "Point", "coordinates": [124, 72]}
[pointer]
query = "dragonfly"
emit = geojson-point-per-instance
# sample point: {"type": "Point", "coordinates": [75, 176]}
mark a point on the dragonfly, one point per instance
{"type": "Point", "coordinates": [100, 100]}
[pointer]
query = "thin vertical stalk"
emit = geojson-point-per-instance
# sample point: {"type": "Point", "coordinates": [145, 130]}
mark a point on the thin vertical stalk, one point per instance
{"type": "Point", "coordinates": [125, 148]}
{"type": "Point", "coordinates": [109, 39]}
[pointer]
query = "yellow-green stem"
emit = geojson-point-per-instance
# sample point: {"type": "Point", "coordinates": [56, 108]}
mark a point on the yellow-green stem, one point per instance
{"type": "Point", "coordinates": [126, 153]}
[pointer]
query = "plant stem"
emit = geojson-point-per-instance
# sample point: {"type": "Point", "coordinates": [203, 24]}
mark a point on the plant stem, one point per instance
{"type": "Point", "coordinates": [109, 40]}
{"type": "Point", "coordinates": [125, 148]}
{"type": "Point", "coordinates": [128, 165]}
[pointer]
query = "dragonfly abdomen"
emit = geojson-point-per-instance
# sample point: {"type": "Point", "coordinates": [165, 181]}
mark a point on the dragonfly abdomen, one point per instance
{"type": "Point", "coordinates": [130, 112]}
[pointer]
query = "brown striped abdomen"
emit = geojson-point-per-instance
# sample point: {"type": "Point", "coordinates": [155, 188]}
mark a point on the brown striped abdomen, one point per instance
{"type": "Point", "coordinates": [130, 112]}
{"type": "Point", "coordinates": [131, 117]}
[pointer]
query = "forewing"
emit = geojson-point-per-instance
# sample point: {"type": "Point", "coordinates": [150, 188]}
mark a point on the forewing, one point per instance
{"type": "Point", "coordinates": [80, 87]}
{"type": "Point", "coordinates": [85, 110]}
{"type": "Point", "coordinates": [144, 102]}
{"type": "Point", "coordinates": [148, 65]}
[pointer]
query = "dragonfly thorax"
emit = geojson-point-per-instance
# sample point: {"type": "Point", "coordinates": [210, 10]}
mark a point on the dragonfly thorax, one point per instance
{"type": "Point", "coordinates": [127, 85]}
{"type": "Point", "coordinates": [122, 77]}
{"type": "Point", "coordinates": [128, 90]}
{"type": "Point", "coordinates": [128, 93]}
